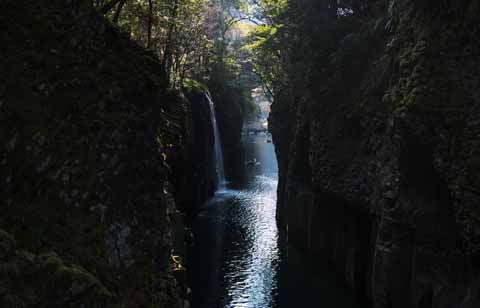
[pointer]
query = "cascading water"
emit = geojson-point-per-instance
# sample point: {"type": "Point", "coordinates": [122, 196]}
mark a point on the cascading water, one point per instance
{"type": "Point", "coordinates": [218, 146]}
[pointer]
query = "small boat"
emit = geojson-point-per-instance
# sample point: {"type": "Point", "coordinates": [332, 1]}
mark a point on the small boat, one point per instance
{"type": "Point", "coordinates": [253, 162]}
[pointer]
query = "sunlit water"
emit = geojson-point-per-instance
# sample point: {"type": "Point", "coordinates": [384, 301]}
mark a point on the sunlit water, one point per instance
{"type": "Point", "coordinates": [239, 260]}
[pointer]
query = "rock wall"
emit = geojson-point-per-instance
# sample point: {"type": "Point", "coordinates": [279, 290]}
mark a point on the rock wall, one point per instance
{"type": "Point", "coordinates": [197, 166]}
{"type": "Point", "coordinates": [94, 163]}
{"type": "Point", "coordinates": [379, 157]}
{"type": "Point", "coordinates": [230, 117]}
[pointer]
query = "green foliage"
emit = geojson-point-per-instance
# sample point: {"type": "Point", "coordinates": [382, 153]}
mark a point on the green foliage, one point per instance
{"type": "Point", "coordinates": [174, 29]}
{"type": "Point", "coordinates": [191, 84]}
{"type": "Point", "coordinates": [265, 45]}
{"type": "Point", "coordinates": [264, 49]}
{"type": "Point", "coordinates": [297, 38]}
{"type": "Point", "coordinates": [193, 39]}
{"type": "Point", "coordinates": [196, 41]}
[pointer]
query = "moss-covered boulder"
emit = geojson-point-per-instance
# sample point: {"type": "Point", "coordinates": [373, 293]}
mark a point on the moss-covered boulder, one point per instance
{"type": "Point", "coordinates": [28, 280]}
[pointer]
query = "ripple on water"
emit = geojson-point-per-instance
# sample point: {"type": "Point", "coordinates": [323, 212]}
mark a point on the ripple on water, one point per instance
{"type": "Point", "coordinates": [238, 260]}
{"type": "Point", "coordinates": [251, 261]}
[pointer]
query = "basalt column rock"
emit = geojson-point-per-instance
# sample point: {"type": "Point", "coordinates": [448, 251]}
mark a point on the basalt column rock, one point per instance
{"type": "Point", "coordinates": [382, 175]}
{"type": "Point", "coordinates": [198, 162]}
{"type": "Point", "coordinates": [230, 118]}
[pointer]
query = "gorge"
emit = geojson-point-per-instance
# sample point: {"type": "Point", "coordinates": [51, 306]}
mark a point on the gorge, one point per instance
{"type": "Point", "coordinates": [136, 169]}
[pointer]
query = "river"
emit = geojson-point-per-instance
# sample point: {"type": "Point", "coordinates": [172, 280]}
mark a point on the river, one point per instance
{"type": "Point", "coordinates": [239, 259]}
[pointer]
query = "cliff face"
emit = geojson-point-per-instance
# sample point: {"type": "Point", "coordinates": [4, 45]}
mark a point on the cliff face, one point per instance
{"type": "Point", "coordinates": [197, 167]}
{"type": "Point", "coordinates": [230, 118]}
{"type": "Point", "coordinates": [379, 157]}
{"type": "Point", "coordinates": [89, 142]}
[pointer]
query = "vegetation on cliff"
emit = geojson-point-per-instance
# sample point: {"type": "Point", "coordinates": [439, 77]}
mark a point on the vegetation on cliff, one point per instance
{"type": "Point", "coordinates": [373, 118]}
{"type": "Point", "coordinates": [86, 132]}
{"type": "Point", "coordinates": [107, 142]}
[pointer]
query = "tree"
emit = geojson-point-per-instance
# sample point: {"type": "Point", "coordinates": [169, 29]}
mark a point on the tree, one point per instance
{"type": "Point", "coordinates": [191, 38]}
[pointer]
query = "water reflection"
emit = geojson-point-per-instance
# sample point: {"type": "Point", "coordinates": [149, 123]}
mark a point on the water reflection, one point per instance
{"type": "Point", "coordinates": [250, 267]}
{"type": "Point", "coordinates": [239, 260]}
{"type": "Point", "coordinates": [237, 239]}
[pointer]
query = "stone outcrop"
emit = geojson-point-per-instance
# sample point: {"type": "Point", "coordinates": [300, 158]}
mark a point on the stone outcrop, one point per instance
{"type": "Point", "coordinates": [196, 167]}
{"type": "Point", "coordinates": [95, 163]}
{"type": "Point", "coordinates": [379, 157]}
{"type": "Point", "coordinates": [230, 116]}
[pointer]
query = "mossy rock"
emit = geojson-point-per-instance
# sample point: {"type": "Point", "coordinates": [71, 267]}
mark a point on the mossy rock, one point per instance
{"type": "Point", "coordinates": [46, 281]}
{"type": "Point", "coordinates": [473, 168]}
{"type": "Point", "coordinates": [7, 245]}
{"type": "Point", "coordinates": [82, 122]}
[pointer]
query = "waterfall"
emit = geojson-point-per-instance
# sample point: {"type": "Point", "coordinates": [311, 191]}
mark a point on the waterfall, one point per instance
{"type": "Point", "coordinates": [218, 146]}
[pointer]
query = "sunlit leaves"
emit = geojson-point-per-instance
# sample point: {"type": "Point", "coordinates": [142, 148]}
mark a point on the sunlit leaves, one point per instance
{"type": "Point", "coordinates": [265, 44]}
{"type": "Point", "coordinates": [176, 30]}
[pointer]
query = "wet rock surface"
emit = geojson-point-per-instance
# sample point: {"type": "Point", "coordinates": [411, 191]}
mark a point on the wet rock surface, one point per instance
{"type": "Point", "coordinates": [201, 160]}
{"type": "Point", "coordinates": [230, 117]}
{"type": "Point", "coordinates": [378, 170]}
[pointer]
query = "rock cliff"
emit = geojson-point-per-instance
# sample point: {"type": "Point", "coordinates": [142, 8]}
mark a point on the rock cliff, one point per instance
{"type": "Point", "coordinates": [379, 157]}
{"type": "Point", "coordinates": [96, 160]}
{"type": "Point", "coordinates": [199, 166]}
{"type": "Point", "coordinates": [229, 108]}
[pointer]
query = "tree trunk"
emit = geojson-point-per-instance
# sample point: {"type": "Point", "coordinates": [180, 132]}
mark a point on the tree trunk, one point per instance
{"type": "Point", "coordinates": [149, 25]}
{"type": "Point", "coordinates": [167, 57]}
{"type": "Point", "coordinates": [118, 11]}
{"type": "Point", "coordinates": [109, 6]}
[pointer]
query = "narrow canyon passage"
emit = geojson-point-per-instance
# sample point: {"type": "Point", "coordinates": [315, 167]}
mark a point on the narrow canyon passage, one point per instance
{"type": "Point", "coordinates": [239, 257]}
{"type": "Point", "coordinates": [137, 170]}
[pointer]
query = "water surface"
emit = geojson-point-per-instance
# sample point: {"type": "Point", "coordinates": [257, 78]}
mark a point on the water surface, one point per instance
{"type": "Point", "coordinates": [239, 259]}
